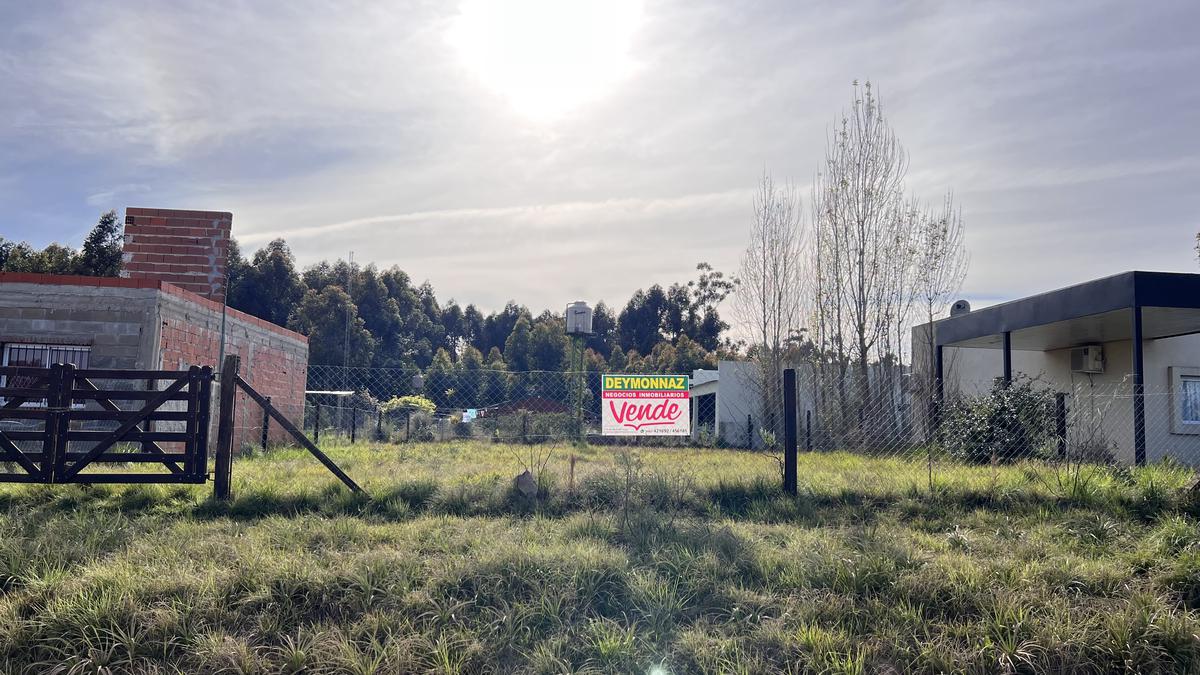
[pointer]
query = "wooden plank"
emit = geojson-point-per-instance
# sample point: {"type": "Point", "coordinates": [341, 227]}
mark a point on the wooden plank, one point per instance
{"type": "Point", "coordinates": [23, 414]}
{"type": "Point", "coordinates": [54, 446]}
{"type": "Point", "coordinates": [130, 437]}
{"type": "Point", "coordinates": [122, 374]}
{"type": "Point", "coordinates": [122, 415]}
{"type": "Point", "coordinates": [113, 409]}
{"type": "Point", "coordinates": [300, 437]}
{"type": "Point", "coordinates": [9, 452]}
{"type": "Point", "coordinates": [136, 395]}
{"type": "Point", "coordinates": [126, 427]}
{"type": "Point", "coordinates": [199, 454]}
{"type": "Point", "coordinates": [193, 406]}
{"type": "Point", "coordinates": [134, 478]}
{"type": "Point", "coordinates": [223, 472]}
{"type": "Point", "coordinates": [20, 478]}
{"type": "Point", "coordinates": [24, 371]}
{"type": "Point", "coordinates": [118, 457]}
{"type": "Point", "coordinates": [22, 392]}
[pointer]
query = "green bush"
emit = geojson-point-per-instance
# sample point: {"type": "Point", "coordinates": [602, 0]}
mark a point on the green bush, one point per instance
{"type": "Point", "coordinates": [1007, 424]}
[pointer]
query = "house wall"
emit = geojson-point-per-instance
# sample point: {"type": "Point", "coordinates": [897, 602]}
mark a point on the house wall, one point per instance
{"type": "Point", "coordinates": [144, 324]}
{"type": "Point", "coordinates": [1100, 405]}
{"type": "Point", "coordinates": [116, 321]}
{"type": "Point", "coordinates": [274, 360]}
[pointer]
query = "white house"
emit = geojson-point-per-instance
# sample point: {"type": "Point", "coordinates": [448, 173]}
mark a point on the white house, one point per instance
{"type": "Point", "coordinates": [1124, 349]}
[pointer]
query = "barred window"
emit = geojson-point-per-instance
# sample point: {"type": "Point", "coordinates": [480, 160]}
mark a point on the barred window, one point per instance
{"type": "Point", "coordinates": [40, 356]}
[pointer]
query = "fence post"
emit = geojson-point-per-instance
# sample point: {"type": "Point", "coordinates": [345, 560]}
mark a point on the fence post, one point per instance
{"type": "Point", "coordinates": [808, 430]}
{"type": "Point", "coordinates": [789, 431]}
{"type": "Point", "coordinates": [54, 447]}
{"type": "Point", "coordinates": [224, 464]}
{"type": "Point", "coordinates": [317, 424]}
{"type": "Point", "coordinates": [353, 424]}
{"type": "Point", "coordinates": [749, 432]}
{"type": "Point", "coordinates": [1060, 422]}
{"type": "Point", "coordinates": [266, 426]}
{"type": "Point", "coordinates": [379, 425]}
{"type": "Point", "coordinates": [151, 385]}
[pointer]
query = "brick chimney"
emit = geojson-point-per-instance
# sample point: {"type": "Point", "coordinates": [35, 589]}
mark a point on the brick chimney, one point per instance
{"type": "Point", "coordinates": [184, 248]}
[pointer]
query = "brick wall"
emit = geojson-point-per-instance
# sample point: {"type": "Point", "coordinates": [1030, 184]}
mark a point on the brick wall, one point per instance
{"type": "Point", "coordinates": [274, 359]}
{"type": "Point", "coordinates": [184, 248]}
{"type": "Point", "coordinates": [146, 325]}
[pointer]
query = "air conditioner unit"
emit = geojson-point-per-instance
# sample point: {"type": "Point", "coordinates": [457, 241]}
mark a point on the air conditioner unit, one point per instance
{"type": "Point", "coordinates": [1089, 359]}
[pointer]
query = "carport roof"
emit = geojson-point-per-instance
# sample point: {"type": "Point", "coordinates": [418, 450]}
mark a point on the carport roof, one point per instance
{"type": "Point", "coordinates": [1094, 311]}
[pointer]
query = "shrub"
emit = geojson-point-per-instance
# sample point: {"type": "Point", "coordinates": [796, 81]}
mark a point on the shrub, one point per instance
{"type": "Point", "coordinates": [409, 404]}
{"type": "Point", "coordinates": [1008, 423]}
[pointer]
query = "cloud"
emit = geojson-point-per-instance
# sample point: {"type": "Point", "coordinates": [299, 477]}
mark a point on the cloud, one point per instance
{"type": "Point", "coordinates": [1066, 132]}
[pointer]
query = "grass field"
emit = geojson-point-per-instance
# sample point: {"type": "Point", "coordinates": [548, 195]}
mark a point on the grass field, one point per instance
{"type": "Point", "coordinates": [658, 561]}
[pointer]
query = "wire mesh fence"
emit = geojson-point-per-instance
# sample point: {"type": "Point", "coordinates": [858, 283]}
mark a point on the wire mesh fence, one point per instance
{"type": "Point", "coordinates": [886, 412]}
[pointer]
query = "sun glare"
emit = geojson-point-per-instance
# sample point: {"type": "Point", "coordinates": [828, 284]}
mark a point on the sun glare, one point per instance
{"type": "Point", "coordinates": [547, 56]}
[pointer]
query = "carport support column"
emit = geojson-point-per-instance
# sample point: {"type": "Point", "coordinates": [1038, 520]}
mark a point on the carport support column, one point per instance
{"type": "Point", "coordinates": [1007, 358]}
{"type": "Point", "coordinates": [1139, 391]}
{"type": "Point", "coordinates": [790, 435]}
{"type": "Point", "coordinates": [939, 388]}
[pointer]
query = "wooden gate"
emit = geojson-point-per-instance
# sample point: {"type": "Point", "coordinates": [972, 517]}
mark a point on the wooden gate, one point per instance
{"type": "Point", "coordinates": [56, 422]}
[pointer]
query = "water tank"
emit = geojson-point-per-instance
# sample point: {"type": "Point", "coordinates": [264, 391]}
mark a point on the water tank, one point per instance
{"type": "Point", "coordinates": [579, 318]}
{"type": "Point", "coordinates": [960, 307]}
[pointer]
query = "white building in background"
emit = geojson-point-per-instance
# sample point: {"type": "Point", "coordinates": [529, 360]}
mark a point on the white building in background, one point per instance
{"type": "Point", "coordinates": [727, 405]}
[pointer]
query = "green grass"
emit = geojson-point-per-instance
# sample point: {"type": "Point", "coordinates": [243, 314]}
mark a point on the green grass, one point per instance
{"type": "Point", "coordinates": [658, 561]}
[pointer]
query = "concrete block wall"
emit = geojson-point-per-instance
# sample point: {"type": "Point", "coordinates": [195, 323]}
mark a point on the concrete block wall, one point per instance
{"type": "Point", "coordinates": [115, 317]}
{"type": "Point", "coordinates": [186, 248]}
{"type": "Point", "coordinates": [148, 325]}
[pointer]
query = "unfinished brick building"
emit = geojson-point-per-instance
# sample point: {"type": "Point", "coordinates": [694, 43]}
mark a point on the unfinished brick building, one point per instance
{"type": "Point", "coordinates": [165, 313]}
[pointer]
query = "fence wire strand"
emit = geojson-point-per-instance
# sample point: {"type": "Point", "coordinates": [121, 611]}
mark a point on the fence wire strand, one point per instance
{"type": "Point", "coordinates": [888, 413]}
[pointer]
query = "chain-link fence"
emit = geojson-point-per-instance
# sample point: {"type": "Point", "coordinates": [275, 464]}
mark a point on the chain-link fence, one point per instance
{"type": "Point", "coordinates": [882, 412]}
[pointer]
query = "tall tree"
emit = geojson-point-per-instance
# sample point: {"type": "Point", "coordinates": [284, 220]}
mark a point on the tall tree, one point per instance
{"type": "Point", "coordinates": [321, 316]}
{"type": "Point", "coordinates": [269, 286]}
{"type": "Point", "coordinates": [859, 215]}
{"type": "Point", "coordinates": [640, 323]}
{"type": "Point", "coordinates": [940, 267]}
{"type": "Point", "coordinates": [548, 344]}
{"type": "Point", "coordinates": [769, 299]}
{"type": "Point", "coordinates": [604, 329]}
{"type": "Point", "coordinates": [517, 348]}
{"type": "Point", "coordinates": [101, 254]}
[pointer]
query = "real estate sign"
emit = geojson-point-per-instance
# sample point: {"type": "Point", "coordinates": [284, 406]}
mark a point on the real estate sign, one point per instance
{"type": "Point", "coordinates": [645, 405]}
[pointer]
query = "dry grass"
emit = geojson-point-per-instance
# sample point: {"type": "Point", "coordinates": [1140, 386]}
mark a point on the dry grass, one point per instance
{"type": "Point", "coordinates": [660, 560]}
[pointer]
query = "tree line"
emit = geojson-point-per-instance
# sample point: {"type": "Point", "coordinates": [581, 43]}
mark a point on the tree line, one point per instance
{"type": "Point", "coordinates": [363, 316]}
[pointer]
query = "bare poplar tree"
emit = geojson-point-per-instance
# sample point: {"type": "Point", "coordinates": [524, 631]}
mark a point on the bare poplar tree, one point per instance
{"type": "Point", "coordinates": [769, 298]}
{"type": "Point", "coordinates": [860, 221]}
{"type": "Point", "coordinates": [940, 268]}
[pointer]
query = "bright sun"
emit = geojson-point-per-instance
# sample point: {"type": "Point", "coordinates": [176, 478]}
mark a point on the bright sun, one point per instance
{"type": "Point", "coordinates": [547, 56]}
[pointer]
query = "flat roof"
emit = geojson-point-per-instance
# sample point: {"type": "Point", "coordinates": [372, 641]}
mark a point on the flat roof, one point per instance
{"type": "Point", "coordinates": [150, 284]}
{"type": "Point", "coordinates": [1101, 310]}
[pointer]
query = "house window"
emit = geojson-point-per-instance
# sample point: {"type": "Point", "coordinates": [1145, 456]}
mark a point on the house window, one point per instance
{"type": "Point", "coordinates": [1185, 400]}
{"type": "Point", "coordinates": [40, 356]}
{"type": "Point", "coordinates": [1189, 399]}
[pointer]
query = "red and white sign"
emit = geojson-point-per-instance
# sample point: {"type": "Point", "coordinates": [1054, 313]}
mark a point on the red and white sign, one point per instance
{"type": "Point", "coordinates": [645, 405]}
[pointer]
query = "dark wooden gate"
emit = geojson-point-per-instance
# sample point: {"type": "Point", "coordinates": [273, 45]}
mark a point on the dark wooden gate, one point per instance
{"type": "Point", "coordinates": [57, 422]}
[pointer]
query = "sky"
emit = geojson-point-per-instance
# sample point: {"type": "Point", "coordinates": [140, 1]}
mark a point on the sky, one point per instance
{"type": "Point", "coordinates": [551, 150]}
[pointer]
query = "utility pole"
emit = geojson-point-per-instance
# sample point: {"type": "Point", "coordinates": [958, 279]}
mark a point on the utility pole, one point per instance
{"type": "Point", "coordinates": [346, 338]}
